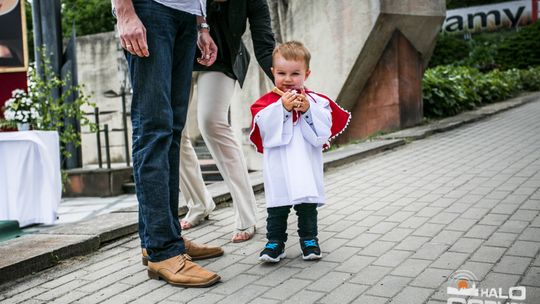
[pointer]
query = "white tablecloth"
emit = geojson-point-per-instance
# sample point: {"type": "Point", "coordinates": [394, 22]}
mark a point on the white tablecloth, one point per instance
{"type": "Point", "coordinates": [30, 179]}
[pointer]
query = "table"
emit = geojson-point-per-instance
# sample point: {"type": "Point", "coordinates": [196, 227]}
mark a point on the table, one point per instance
{"type": "Point", "coordinates": [30, 178]}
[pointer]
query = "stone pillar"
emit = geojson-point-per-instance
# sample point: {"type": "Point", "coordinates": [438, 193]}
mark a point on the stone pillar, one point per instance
{"type": "Point", "coordinates": [392, 96]}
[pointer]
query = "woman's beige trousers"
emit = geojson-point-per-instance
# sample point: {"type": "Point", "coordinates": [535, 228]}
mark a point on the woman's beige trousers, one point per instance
{"type": "Point", "coordinates": [214, 91]}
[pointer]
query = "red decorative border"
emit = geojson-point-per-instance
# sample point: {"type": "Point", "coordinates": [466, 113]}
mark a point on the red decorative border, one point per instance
{"type": "Point", "coordinates": [534, 13]}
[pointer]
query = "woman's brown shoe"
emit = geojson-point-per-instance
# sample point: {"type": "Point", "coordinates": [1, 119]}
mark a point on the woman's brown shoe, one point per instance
{"type": "Point", "coordinates": [181, 271]}
{"type": "Point", "coordinates": [194, 250]}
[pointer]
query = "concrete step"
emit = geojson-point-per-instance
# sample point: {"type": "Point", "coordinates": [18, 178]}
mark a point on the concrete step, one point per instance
{"type": "Point", "coordinates": [208, 165]}
{"type": "Point", "coordinates": [129, 188]}
{"type": "Point", "coordinates": [201, 149]}
{"type": "Point", "coordinates": [203, 153]}
{"type": "Point", "coordinates": [209, 171]}
{"type": "Point", "coordinates": [212, 176]}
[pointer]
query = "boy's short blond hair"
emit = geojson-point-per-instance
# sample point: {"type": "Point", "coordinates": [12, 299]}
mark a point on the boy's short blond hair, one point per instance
{"type": "Point", "coordinates": [293, 50]}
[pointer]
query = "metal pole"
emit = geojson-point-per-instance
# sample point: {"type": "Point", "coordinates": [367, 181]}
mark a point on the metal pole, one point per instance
{"type": "Point", "coordinates": [38, 35]}
{"type": "Point", "coordinates": [69, 74]}
{"type": "Point", "coordinates": [107, 148]}
{"type": "Point", "coordinates": [124, 122]}
{"type": "Point", "coordinates": [98, 138]}
{"type": "Point", "coordinates": [51, 28]}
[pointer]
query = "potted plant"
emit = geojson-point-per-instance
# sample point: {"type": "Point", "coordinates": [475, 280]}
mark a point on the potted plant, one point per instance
{"type": "Point", "coordinates": [21, 111]}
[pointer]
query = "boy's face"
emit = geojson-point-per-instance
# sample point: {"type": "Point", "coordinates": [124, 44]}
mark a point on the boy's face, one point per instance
{"type": "Point", "coordinates": [289, 74]}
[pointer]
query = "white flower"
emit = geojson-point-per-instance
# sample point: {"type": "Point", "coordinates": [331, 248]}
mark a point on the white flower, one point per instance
{"type": "Point", "coordinates": [34, 113]}
{"type": "Point", "coordinates": [9, 102]}
{"type": "Point", "coordinates": [9, 114]}
{"type": "Point", "coordinates": [23, 106]}
{"type": "Point", "coordinates": [16, 92]}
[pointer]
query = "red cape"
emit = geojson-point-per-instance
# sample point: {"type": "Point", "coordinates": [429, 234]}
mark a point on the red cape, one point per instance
{"type": "Point", "coordinates": [340, 117]}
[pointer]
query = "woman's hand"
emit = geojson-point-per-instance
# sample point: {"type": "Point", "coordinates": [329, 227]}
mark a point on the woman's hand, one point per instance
{"type": "Point", "coordinates": [208, 48]}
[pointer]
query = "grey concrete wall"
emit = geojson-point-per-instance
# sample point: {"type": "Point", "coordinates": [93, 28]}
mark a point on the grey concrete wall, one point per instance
{"type": "Point", "coordinates": [99, 59]}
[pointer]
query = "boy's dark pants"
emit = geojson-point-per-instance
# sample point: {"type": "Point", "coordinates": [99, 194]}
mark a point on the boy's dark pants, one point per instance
{"type": "Point", "coordinates": [276, 222]}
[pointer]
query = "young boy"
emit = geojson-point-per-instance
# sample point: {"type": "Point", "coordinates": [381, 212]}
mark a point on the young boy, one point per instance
{"type": "Point", "coordinates": [291, 125]}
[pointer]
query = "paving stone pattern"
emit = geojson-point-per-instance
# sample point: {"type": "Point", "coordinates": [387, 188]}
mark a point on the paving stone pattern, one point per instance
{"type": "Point", "coordinates": [395, 228]}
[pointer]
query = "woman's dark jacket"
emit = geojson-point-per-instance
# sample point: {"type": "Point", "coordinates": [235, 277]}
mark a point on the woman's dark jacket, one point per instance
{"type": "Point", "coordinates": [228, 21]}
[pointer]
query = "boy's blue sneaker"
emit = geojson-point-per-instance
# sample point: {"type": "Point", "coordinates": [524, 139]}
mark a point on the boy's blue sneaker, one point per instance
{"type": "Point", "coordinates": [310, 249]}
{"type": "Point", "coordinates": [273, 252]}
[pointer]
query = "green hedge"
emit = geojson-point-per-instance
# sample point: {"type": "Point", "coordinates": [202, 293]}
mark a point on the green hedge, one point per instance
{"type": "Point", "coordinates": [449, 90]}
{"type": "Point", "coordinates": [449, 49]}
{"type": "Point", "coordinates": [521, 50]}
{"type": "Point", "coordinates": [487, 51]}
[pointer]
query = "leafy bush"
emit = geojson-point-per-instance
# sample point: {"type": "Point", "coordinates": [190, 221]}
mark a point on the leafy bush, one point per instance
{"type": "Point", "coordinates": [88, 16]}
{"type": "Point", "coordinates": [530, 79]}
{"type": "Point", "coordinates": [488, 51]}
{"type": "Point", "coordinates": [520, 50]}
{"type": "Point", "coordinates": [497, 85]}
{"type": "Point", "coordinates": [449, 90]}
{"type": "Point", "coordinates": [449, 49]}
{"type": "Point", "coordinates": [481, 56]}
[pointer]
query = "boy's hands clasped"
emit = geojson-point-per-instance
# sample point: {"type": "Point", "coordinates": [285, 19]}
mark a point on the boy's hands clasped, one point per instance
{"type": "Point", "coordinates": [295, 101]}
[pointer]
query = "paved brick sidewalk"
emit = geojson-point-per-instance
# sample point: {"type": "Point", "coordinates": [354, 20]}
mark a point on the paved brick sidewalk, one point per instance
{"type": "Point", "coordinates": [396, 226]}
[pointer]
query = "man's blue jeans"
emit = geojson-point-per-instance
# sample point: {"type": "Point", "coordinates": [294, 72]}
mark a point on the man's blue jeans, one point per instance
{"type": "Point", "coordinates": [161, 84]}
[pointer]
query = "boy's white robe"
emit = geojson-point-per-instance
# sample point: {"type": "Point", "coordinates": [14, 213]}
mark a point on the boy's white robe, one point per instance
{"type": "Point", "coordinates": [293, 165]}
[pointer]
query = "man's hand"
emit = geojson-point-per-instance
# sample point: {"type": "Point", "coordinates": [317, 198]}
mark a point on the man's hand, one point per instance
{"type": "Point", "coordinates": [132, 31]}
{"type": "Point", "coordinates": [208, 48]}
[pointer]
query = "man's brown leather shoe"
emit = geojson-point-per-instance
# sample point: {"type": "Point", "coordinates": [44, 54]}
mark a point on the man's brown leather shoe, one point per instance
{"type": "Point", "coordinates": [194, 250]}
{"type": "Point", "coordinates": [200, 252]}
{"type": "Point", "coordinates": [181, 271]}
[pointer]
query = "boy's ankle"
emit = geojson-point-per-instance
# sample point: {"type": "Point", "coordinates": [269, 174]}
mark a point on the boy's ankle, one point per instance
{"type": "Point", "coordinates": [310, 248]}
{"type": "Point", "coordinates": [273, 252]}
